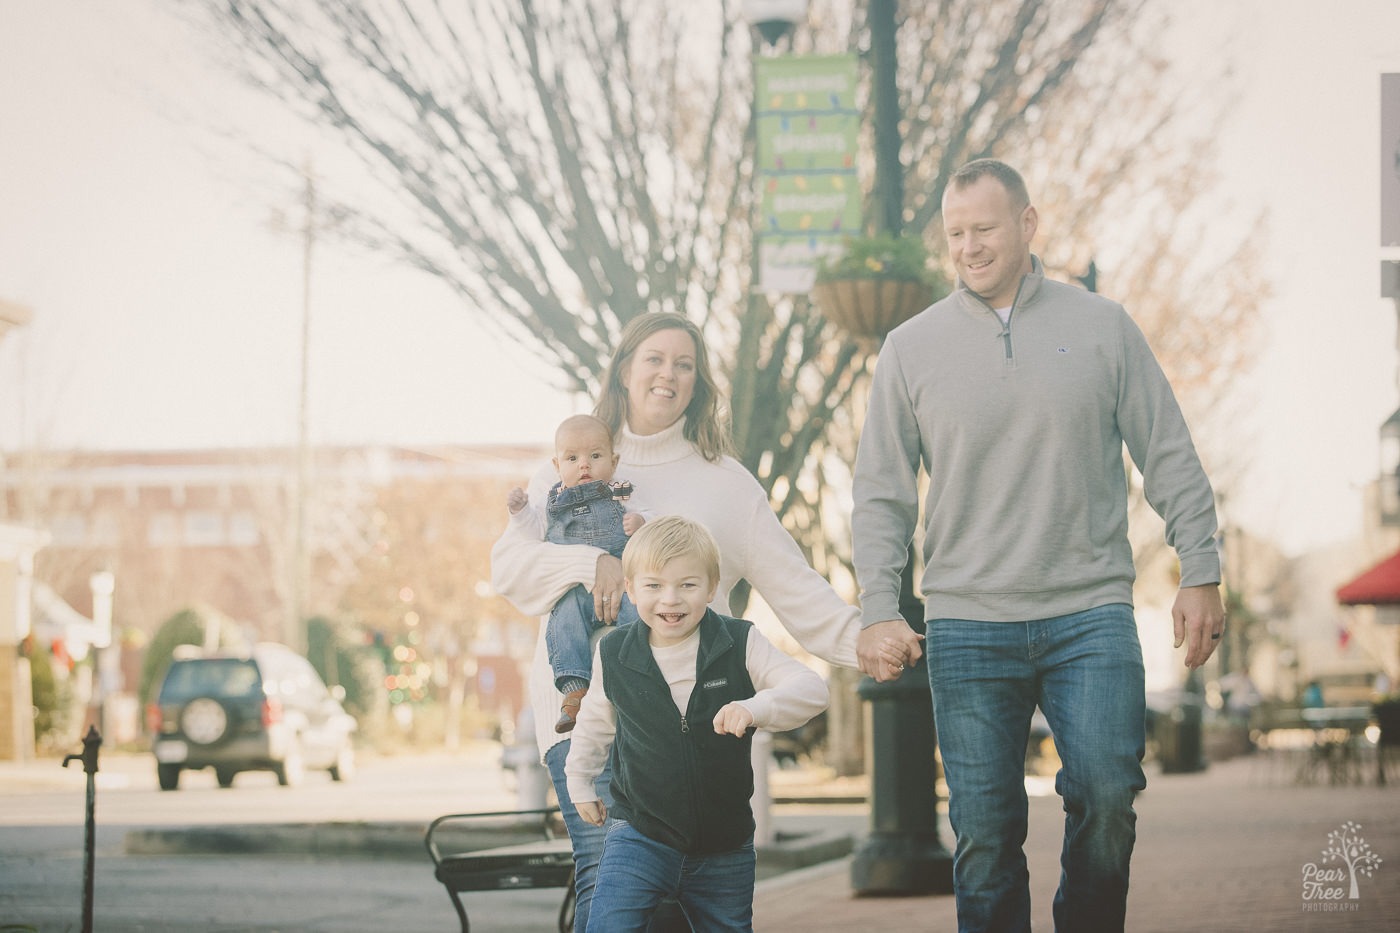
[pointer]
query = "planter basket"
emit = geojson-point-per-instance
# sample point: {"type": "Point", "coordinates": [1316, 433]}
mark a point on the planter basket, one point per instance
{"type": "Point", "coordinates": [869, 309]}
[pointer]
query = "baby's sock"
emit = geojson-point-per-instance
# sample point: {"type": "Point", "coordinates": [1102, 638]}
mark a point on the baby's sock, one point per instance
{"type": "Point", "coordinates": [572, 684]}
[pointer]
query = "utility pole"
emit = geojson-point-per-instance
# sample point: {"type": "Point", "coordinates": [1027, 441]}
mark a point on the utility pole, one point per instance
{"type": "Point", "coordinates": [299, 566]}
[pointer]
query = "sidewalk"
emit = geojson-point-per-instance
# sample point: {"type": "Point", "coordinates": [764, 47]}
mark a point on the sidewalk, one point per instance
{"type": "Point", "coordinates": [1219, 851]}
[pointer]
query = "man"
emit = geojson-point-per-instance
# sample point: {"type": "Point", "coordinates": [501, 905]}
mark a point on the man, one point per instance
{"type": "Point", "coordinates": [1017, 394]}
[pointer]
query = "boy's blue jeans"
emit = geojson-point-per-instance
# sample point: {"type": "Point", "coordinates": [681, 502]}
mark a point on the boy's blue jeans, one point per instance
{"type": "Point", "coordinates": [568, 633]}
{"type": "Point", "coordinates": [637, 872]}
{"type": "Point", "coordinates": [1085, 672]}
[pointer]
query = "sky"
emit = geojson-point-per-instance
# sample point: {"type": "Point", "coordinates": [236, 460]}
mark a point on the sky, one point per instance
{"type": "Point", "coordinates": [167, 304]}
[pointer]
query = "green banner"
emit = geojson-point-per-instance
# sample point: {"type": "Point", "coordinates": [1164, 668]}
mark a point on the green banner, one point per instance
{"type": "Point", "coordinates": [808, 192]}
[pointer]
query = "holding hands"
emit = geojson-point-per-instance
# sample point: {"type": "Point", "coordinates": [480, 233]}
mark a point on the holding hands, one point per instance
{"type": "Point", "coordinates": [885, 649]}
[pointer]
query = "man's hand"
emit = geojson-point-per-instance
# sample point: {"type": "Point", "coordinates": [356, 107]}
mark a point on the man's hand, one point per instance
{"type": "Point", "coordinates": [886, 648]}
{"type": "Point", "coordinates": [733, 719]}
{"type": "Point", "coordinates": [592, 811]}
{"type": "Point", "coordinates": [607, 588]}
{"type": "Point", "coordinates": [1198, 621]}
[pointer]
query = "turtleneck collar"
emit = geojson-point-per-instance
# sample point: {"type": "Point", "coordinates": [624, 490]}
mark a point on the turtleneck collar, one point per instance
{"type": "Point", "coordinates": [666, 446]}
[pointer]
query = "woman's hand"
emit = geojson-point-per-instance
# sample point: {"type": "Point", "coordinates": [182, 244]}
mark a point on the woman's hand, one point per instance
{"type": "Point", "coordinates": [885, 649]}
{"type": "Point", "coordinates": [592, 811]}
{"type": "Point", "coordinates": [607, 588]}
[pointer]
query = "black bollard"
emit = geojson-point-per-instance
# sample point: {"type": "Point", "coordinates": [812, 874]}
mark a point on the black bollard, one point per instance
{"type": "Point", "coordinates": [903, 854]}
{"type": "Point", "coordinates": [91, 743]}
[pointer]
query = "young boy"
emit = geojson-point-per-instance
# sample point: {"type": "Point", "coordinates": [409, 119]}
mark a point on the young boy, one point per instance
{"type": "Point", "coordinates": [675, 703]}
{"type": "Point", "coordinates": [584, 507]}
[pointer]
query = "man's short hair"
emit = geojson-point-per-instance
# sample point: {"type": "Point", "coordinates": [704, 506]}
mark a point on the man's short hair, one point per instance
{"type": "Point", "coordinates": [1010, 179]}
{"type": "Point", "coordinates": [664, 539]}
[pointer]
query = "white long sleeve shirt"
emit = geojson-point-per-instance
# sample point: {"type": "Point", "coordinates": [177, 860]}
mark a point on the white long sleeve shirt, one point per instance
{"type": "Point", "coordinates": [787, 694]}
{"type": "Point", "coordinates": [672, 478]}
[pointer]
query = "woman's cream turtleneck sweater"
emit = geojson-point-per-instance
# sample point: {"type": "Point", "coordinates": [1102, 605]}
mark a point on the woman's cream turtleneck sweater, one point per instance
{"type": "Point", "coordinates": [672, 478]}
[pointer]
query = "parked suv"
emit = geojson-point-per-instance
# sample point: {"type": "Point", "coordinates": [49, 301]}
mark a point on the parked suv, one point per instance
{"type": "Point", "coordinates": [261, 710]}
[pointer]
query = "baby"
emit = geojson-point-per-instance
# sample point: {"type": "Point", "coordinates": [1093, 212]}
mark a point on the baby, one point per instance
{"type": "Point", "coordinates": [584, 507]}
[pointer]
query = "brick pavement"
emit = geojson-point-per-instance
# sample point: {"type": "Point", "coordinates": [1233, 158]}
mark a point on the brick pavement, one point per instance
{"type": "Point", "coordinates": [1220, 850]}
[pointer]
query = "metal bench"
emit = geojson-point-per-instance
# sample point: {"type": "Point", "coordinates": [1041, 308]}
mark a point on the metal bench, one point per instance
{"type": "Point", "coordinates": [468, 856]}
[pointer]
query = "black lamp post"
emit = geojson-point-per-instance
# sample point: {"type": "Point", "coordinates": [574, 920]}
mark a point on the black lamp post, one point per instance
{"type": "Point", "coordinates": [902, 854]}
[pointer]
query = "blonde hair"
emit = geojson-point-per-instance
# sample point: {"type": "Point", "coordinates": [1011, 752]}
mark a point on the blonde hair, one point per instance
{"type": "Point", "coordinates": [665, 539]}
{"type": "Point", "coordinates": [703, 425]}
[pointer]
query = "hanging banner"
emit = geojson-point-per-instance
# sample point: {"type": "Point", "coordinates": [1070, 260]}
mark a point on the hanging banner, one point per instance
{"type": "Point", "coordinates": [1390, 161]}
{"type": "Point", "coordinates": [809, 198]}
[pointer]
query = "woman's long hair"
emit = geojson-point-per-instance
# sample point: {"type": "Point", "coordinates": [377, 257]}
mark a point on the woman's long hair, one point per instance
{"type": "Point", "coordinates": [704, 426]}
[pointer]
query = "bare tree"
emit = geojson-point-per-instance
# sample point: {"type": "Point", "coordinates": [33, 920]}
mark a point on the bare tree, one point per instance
{"type": "Point", "coordinates": [566, 165]}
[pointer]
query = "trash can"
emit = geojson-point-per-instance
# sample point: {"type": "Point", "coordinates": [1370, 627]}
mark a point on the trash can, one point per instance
{"type": "Point", "coordinates": [1180, 748]}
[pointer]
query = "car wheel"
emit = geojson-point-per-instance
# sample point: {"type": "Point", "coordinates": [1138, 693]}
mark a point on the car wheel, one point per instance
{"type": "Point", "coordinates": [168, 776]}
{"type": "Point", "coordinates": [225, 776]}
{"type": "Point", "coordinates": [344, 767]}
{"type": "Point", "coordinates": [204, 721]}
{"type": "Point", "coordinates": [291, 770]}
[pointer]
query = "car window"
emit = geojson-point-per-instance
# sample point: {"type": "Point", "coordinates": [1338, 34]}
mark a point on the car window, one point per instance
{"type": "Point", "coordinates": [230, 677]}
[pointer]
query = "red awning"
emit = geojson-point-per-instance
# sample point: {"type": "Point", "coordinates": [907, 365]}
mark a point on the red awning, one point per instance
{"type": "Point", "coordinates": [1379, 586]}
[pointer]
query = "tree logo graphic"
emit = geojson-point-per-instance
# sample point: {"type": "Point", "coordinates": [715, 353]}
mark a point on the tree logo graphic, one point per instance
{"type": "Point", "coordinates": [1333, 884]}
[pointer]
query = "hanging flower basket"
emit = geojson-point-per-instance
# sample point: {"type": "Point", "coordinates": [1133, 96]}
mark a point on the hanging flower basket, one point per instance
{"type": "Point", "coordinates": [870, 308]}
{"type": "Point", "coordinates": [876, 284]}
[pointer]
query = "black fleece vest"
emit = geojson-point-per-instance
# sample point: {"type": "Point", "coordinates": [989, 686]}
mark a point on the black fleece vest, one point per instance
{"type": "Point", "coordinates": [674, 779]}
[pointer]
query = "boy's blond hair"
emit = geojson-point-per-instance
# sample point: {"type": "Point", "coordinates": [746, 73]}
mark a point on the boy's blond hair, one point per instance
{"type": "Point", "coordinates": [664, 539]}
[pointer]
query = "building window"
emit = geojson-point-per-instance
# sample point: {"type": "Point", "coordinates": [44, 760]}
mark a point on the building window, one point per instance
{"type": "Point", "coordinates": [69, 530]}
{"type": "Point", "coordinates": [163, 530]}
{"type": "Point", "coordinates": [243, 529]}
{"type": "Point", "coordinates": [106, 530]}
{"type": "Point", "coordinates": [204, 528]}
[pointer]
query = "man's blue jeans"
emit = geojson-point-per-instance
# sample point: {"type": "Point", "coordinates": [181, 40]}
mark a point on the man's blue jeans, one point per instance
{"type": "Point", "coordinates": [1085, 672]}
{"type": "Point", "coordinates": [637, 873]}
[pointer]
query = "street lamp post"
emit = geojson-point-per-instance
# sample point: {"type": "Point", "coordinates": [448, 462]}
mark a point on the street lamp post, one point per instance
{"type": "Point", "coordinates": [903, 853]}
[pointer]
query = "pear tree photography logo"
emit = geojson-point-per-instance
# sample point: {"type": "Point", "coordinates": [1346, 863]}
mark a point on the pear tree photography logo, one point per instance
{"type": "Point", "coordinates": [1333, 882]}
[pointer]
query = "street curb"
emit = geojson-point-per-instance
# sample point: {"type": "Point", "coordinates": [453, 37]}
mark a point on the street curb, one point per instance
{"type": "Point", "coordinates": [334, 840]}
{"type": "Point", "coordinates": [788, 852]}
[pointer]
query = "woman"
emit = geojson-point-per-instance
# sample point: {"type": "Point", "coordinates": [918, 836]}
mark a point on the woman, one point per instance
{"type": "Point", "coordinates": [660, 399]}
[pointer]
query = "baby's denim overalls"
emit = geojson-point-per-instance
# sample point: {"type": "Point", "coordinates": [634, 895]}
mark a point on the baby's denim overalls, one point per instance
{"type": "Point", "coordinates": [589, 513]}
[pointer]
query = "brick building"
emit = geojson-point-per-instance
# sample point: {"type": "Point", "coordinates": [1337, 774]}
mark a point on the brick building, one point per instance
{"type": "Point", "coordinates": [396, 540]}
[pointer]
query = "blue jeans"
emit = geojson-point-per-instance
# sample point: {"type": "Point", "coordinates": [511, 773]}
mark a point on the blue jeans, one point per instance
{"type": "Point", "coordinates": [568, 633]}
{"type": "Point", "coordinates": [586, 839]}
{"type": "Point", "coordinates": [637, 872]}
{"type": "Point", "coordinates": [1084, 670]}
{"type": "Point", "coordinates": [587, 843]}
